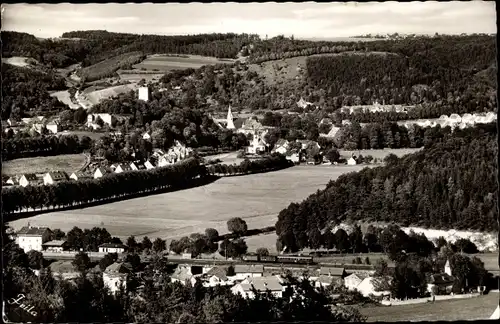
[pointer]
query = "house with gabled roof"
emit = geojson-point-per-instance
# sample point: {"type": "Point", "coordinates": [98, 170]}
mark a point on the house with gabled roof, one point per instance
{"type": "Point", "coordinates": [281, 146]}
{"type": "Point", "coordinates": [53, 126]}
{"type": "Point", "coordinates": [80, 176]}
{"type": "Point", "coordinates": [216, 277]}
{"type": "Point", "coordinates": [100, 172]}
{"type": "Point", "coordinates": [137, 166]}
{"type": "Point", "coordinates": [32, 238]}
{"type": "Point", "coordinates": [122, 168]}
{"type": "Point", "coordinates": [165, 160]}
{"type": "Point", "coordinates": [13, 181]}
{"type": "Point", "coordinates": [55, 246]}
{"type": "Point", "coordinates": [243, 271]}
{"type": "Point", "coordinates": [332, 272]}
{"type": "Point", "coordinates": [262, 285]}
{"type": "Point", "coordinates": [150, 164]}
{"type": "Point", "coordinates": [54, 176]}
{"type": "Point", "coordinates": [353, 280]}
{"type": "Point", "coordinates": [115, 276]}
{"type": "Point", "coordinates": [30, 179]}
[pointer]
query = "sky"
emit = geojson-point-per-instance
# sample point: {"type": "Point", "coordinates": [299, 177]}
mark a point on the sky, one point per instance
{"type": "Point", "coordinates": [303, 20]}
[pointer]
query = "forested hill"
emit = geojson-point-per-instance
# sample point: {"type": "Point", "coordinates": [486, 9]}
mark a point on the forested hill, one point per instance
{"type": "Point", "coordinates": [451, 184]}
{"type": "Point", "coordinates": [90, 47]}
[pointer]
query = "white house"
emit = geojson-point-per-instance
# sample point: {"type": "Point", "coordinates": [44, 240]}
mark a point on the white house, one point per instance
{"type": "Point", "coordinates": [294, 157]}
{"type": "Point", "coordinates": [80, 176]}
{"type": "Point", "coordinates": [53, 126]}
{"type": "Point", "coordinates": [144, 93]}
{"type": "Point", "coordinates": [55, 176]}
{"type": "Point", "coordinates": [281, 146]}
{"type": "Point", "coordinates": [99, 173]}
{"type": "Point", "coordinates": [112, 248]}
{"type": "Point", "coordinates": [257, 146]}
{"type": "Point", "coordinates": [165, 160]}
{"type": "Point", "coordinates": [92, 120]}
{"type": "Point", "coordinates": [367, 288]}
{"type": "Point", "coordinates": [115, 276]}
{"type": "Point", "coordinates": [122, 168]}
{"type": "Point", "coordinates": [14, 181]}
{"type": "Point", "coordinates": [243, 271]}
{"type": "Point", "coordinates": [29, 179]}
{"type": "Point", "coordinates": [216, 277]}
{"type": "Point", "coordinates": [261, 285]}
{"type": "Point", "coordinates": [146, 136]}
{"type": "Point", "coordinates": [351, 161]}
{"type": "Point", "coordinates": [352, 281]}
{"type": "Point", "coordinates": [137, 166]}
{"type": "Point", "coordinates": [37, 127]}
{"type": "Point", "coordinates": [183, 275]}
{"type": "Point", "coordinates": [31, 238]}
{"type": "Point", "coordinates": [149, 165]}
{"type": "Point", "coordinates": [302, 103]}
{"type": "Point", "coordinates": [55, 246]}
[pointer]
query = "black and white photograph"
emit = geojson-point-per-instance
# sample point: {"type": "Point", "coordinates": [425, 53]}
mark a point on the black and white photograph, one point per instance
{"type": "Point", "coordinates": [249, 162]}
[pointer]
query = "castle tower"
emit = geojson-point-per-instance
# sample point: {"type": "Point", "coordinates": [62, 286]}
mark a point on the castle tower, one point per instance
{"type": "Point", "coordinates": [230, 124]}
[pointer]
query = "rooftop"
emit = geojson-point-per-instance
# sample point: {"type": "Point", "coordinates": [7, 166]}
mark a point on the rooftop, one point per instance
{"type": "Point", "coordinates": [116, 268]}
{"type": "Point", "coordinates": [272, 283]}
{"type": "Point", "coordinates": [54, 243]}
{"type": "Point", "coordinates": [113, 245]}
{"type": "Point", "coordinates": [332, 271]}
{"type": "Point", "coordinates": [32, 231]}
{"type": "Point", "coordinates": [250, 268]}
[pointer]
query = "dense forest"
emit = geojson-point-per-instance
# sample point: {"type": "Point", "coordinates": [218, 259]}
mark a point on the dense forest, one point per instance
{"type": "Point", "coordinates": [450, 184]}
{"type": "Point", "coordinates": [25, 92]}
{"type": "Point", "coordinates": [91, 47]}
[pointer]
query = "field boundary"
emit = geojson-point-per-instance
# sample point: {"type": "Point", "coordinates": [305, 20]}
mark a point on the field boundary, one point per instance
{"type": "Point", "coordinates": [16, 215]}
{"type": "Point", "coordinates": [239, 174]}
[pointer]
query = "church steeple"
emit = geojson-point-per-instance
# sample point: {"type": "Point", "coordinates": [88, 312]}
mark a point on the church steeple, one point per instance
{"type": "Point", "coordinates": [230, 123]}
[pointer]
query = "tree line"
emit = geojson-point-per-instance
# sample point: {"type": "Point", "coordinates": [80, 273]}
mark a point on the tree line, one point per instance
{"type": "Point", "coordinates": [69, 193]}
{"type": "Point", "coordinates": [447, 185]}
{"type": "Point", "coordinates": [16, 148]}
{"type": "Point", "coordinates": [270, 163]}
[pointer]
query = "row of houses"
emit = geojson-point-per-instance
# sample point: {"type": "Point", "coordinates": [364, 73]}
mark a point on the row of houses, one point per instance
{"type": "Point", "coordinates": [34, 124]}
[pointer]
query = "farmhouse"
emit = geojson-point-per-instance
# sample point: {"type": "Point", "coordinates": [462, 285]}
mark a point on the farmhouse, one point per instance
{"type": "Point", "coordinates": [53, 127]}
{"type": "Point", "coordinates": [55, 246]}
{"type": "Point", "coordinates": [441, 283]}
{"type": "Point", "coordinates": [53, 177]}
{"type": "Point", "coordinates": [216, 277]}
{"type": "Point", "coordinates": [115, 276]}
{"type": "Point", "coordinates": [243, 271]}
{"type": "Point", "coordinates": [352, 161]}
{"type": "Point", "coordinates": [274, 284]}
{"type": "Point", "coordinates": [112, 248]}
{"type": "Point", "coordinates": [30, 179]}
{"type": "Point", "coordinates": [352, 281]}
{"type": "Point", "coordinates": [367, 288]}
{"type": "Point", "coordinates": [80, 176]}
{"type": "Point", "coordinates": [123, 168]}
{"type": "Point", "coordinates": [257, 146]}
{"type": "Point", "coordinates": [31, 238]}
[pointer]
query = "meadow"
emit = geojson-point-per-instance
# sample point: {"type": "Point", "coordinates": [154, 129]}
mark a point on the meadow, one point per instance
{"type": "Point", "coordinates": [66, 162]}
{"type": "Point", "coordinates": [165, 63]}
{"type": "Point", "coordinates": [64, 97]}
{"type": "Point", "coordinates": [256, 198]}
{"type": "Point", "coordinates": [447, 310]}
{"type": "Point", "coordinates": [378, 154]}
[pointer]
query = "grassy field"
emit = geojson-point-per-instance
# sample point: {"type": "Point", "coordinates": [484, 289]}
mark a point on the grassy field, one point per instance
{"type": "Point", "coordinates": [68, 162]}
{"type": "Point", "coordinates": [256, 198]}
{"type": "Point", "coordinates": [94, 97]}
{"type": "Point", "coordinates": [164, 63]}
{"type": "Point", "coordinates": [107, 67]}
{"type": "Point", "coordinates": [138, 75]}
{"type": "Point", "coordinates": [447, 310]}
{"type": "Point", "coordinates": [64, 97]}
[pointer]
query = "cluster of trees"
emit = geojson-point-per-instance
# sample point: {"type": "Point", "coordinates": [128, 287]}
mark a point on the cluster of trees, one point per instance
{"type": "Point", "coordinates": [447, 185]}
{"type": "Point", "coordinates": [15, 148]}
{"type": "Point", "coordinates": [272, 162]}
{"type": "Point", "coordinates": [69, 193]}
{"type": "Point", "coordinates": [25, 92]}
{"type": "Point", "coordinates": [86, 298]}
{"type": "Point", "coordinates": [107, 68]}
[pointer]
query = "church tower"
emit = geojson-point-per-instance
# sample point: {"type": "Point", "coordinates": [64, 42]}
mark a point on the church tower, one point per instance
{"type": "Point", "coordinates": [230, 124]}
{"type": "Point", "coordinates": [447, 268]}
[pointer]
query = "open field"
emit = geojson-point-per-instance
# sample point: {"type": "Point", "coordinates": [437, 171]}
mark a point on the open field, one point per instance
{"type": "Point", "coordinates": [20, 61]}
{"type": "Point", "coordinates": [92, 135]}
{"type": "Point", "coordinates": [94, 97]}
{"type": "Point", "coordinates": [164, 63]}
{"type": "Point", "coordinates": [256, 198]}
{"type": "Point", "coordinates": [138, 75]}
{"type": "Point", "coordinates": [226, 158]}
{"type": "Point", "coordinates": [447, 310]}
{"type": "Point", "coordinates": [107, 67]}
{"type": "Point", "coordinates": [68, 162]}
{"type": "Point", "coordinates": [64, 97]}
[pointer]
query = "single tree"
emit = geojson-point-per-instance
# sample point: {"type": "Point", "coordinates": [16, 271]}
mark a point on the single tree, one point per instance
{"type": "Point", "coordinates": [237, 225]}
{"type": "Point", "coordinates": [81, 261]}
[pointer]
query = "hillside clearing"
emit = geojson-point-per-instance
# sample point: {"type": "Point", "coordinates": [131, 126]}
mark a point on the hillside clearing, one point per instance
{"type": "Point", "coordinates": [256, 198]}
{"type": "Point", "coordinates": [94, 97]}
{"type": "Point", "coordinates": [67, 162]}
{"type": "Point", "coordinates": [378, 154]}
{"type": "Point", "coordinates": [447, 310]}
{"type": "Point", "coordinates": [20, 61]}
{"type": "Point", "coordinates": [166, 63]}
{"type": "Point", "coordinates": [64, 97]}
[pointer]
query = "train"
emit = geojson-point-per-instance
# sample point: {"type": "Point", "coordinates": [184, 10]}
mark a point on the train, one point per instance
{"type": "Point", "coordinates": [290, 259]}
